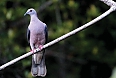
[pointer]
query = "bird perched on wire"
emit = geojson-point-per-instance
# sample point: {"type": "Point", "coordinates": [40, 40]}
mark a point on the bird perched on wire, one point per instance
{"type": "Point", "coordinates": [37, 35]}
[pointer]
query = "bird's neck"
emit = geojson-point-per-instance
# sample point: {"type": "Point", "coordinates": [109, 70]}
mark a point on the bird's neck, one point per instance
{"type": "Point", "coordinates": [34, 18]}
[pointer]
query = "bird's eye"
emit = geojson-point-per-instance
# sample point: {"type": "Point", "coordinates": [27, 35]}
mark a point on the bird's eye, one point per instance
{"type": "Point", "coordinates": [30, 10]}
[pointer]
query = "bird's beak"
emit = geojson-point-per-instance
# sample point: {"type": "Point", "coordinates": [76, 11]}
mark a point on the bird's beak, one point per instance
{"type": "Point", "coordinates": [25, 14]}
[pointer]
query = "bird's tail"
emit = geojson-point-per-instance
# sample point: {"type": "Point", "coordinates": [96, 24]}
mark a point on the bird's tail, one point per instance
{"type": "Point", "coordinates": [39, 69]}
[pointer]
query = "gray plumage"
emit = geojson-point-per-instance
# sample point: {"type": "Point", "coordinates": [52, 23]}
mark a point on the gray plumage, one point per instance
{"type": "Point", "coordinates": [37, 36]}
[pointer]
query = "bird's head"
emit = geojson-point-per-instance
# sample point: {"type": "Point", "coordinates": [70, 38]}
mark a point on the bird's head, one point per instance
{"type": "Point", "coordinates": [30, 11]}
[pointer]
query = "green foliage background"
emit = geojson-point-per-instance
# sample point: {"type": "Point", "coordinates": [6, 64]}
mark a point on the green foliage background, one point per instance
{"type": "Point", "coordinates": [66, 58]}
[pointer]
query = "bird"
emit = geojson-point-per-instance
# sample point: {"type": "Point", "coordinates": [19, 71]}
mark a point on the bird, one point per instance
{"type": "Point", "coordinates": [37, 35]}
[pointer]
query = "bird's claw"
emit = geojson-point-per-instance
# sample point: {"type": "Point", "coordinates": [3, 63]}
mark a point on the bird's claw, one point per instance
{"type": "Point", "coordinates": [40, 47]}
{"type": "Point", "coordinates": [32, 51]}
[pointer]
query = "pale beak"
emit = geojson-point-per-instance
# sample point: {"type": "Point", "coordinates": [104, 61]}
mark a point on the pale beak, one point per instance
{"type": "Point", "coordinates": [25, 14]}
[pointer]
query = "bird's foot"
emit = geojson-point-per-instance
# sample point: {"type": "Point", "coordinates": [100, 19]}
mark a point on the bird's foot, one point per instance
{"type": "Point", "coordinates": [41, 47]}
{"type": "Point", "coordinates": [32, 51]}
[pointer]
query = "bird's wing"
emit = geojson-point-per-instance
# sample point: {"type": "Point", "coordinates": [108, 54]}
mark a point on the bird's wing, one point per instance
{"type": "Point", "coordinates": [28, 35]}
{"type": "Point", "coordinates": [46, 33]}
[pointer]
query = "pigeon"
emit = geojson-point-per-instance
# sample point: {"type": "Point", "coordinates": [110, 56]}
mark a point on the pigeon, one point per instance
{"type": "Point", "coordinates": [37, 35]}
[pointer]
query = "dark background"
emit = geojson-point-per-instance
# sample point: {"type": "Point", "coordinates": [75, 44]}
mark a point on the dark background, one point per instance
{"type": "Point", "coordinates": [90, 53]}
